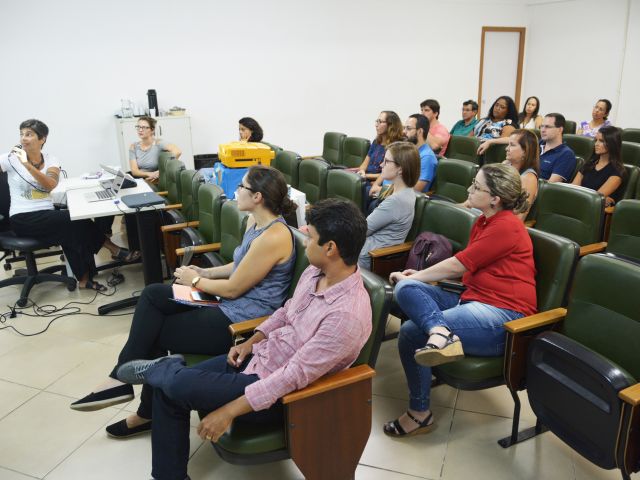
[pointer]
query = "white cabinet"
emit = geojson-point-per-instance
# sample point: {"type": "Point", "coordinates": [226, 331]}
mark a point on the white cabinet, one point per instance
{"type": "Point", "coordinates": [175, 130]}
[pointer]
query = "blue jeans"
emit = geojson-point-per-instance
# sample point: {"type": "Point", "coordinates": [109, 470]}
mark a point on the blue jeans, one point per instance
{"type": "Point", "coordinates": [177, 390]}
{"type": "Point", "coordinates": [479, 326]}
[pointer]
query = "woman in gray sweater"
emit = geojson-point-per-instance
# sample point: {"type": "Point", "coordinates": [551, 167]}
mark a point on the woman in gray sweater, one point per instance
{"type": "Point", "coordinates": [390, 222]}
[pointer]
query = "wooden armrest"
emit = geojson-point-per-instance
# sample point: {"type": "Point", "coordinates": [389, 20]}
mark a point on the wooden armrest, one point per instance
{"type": "Point", "coordinates": [631, 395]}
{"type": "Point", "coordinates": [331, 382]}
{"type": "Point", "coordinates": [535, 321]}
{"type": "Point", "coordinates": [209, 247]}
{"type": "Point", "coordinates": [163, 194]}
{"type": "Point", "coordinates": [310, 157]}
{"type": "Point", "coordinates": [386, 251]}
{"type": "Point", "coordinates": [530, 223]}
{"type": "Point", "coordinates": [175, 206]}
{"type": "Point", "coordinates": [609, 210]}
{"type": "Point", "coordinates": [593, 248]}
{"type": "Point", "coordinates": [179, 226]}
{"type": "Point", "coordinates": [246, 326]}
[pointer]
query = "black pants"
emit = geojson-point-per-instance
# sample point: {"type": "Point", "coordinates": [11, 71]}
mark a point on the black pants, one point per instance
{"type": "Point", "coordinates": [80, 239]}
{"type": "Point", "coordinates": [160, 325]}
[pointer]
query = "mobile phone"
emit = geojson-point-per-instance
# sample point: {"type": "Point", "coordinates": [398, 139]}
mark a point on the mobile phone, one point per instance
{"type": "Point", "coordinates": [204, 297]}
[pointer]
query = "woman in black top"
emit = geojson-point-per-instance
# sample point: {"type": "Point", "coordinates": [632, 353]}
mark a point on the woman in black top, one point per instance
{"type": "Point", "coordinates": [605, 170]}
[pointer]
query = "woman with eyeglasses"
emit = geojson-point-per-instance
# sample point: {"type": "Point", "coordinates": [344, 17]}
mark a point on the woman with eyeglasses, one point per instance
{"type": "Point", "coordinates": [32, 174]}
{"type": "Point", "coordinates": [388, 130]}
{"type": "Point", "coordinates": [498, 274]}
{"type": "Point", "coordinates": [496, 127]}
{"type": "Point", "coordinates": [599, 119]}
{"type": "Point", "coordinates": [605, 171]}
{"type": "Point", "coordinates": [390, 222]}
{"type": "Point", "coordinates": [255, 284]}
{"type": "Point", "coordinates": [144, 154]}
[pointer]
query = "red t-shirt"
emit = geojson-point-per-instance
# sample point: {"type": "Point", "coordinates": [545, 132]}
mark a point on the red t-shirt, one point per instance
{"type": "Point", "coordinates": [499, 262]}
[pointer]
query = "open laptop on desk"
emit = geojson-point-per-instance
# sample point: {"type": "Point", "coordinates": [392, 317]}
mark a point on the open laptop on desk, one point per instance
{"type": "Point", "coordinates": [108, 192]}
{"type": "Point", "coordinates": [129, 181]}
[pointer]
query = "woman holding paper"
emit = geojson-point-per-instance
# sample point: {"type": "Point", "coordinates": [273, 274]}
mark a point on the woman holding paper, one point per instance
{"type": "Point", "coordinates": [255, 284]}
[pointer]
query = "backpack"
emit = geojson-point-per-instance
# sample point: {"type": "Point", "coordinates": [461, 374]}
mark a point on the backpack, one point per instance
{"type": "Point", "coordinates": [428, 249]}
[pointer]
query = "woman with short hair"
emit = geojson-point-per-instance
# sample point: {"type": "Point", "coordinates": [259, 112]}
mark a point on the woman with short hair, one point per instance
{"type": "Point", "coordinates": [498, 271]}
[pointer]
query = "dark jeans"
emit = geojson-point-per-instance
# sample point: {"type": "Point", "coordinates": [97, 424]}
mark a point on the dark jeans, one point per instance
{"type": "Point", "coordinates": [178, 389]}
{"type": "Point", "coordinates": [160, 325]}
{"type": "Point", "coordinates": [80, 239]}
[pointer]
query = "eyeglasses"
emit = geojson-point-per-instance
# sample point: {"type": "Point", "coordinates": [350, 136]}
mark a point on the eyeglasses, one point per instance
{"type": "Point", "coordinates": [547, 126]}
{"type": "Point", "coordinates": [386, 160]}
{"type": "Point", "coordinates": [475, 188]}
{"type": "Point", "coordinates": [241, 186]}
{"type": "Point", "coordinates": [378, 121]}
{"type": "Point", "coordinates": [142, 127]}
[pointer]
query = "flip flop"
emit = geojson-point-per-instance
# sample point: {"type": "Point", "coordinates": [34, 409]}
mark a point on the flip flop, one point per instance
{"type": "Point", "coordinates": [125, 255]}
{"type": "Point", "coordinates": [92, 285]}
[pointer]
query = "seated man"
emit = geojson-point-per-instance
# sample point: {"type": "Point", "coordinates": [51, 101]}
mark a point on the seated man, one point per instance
{"type": "Point", "coordinates": [557, 160]}
{"type": "Point", "coordinates": [465, 126]}
{"type": "Point", "coordinates": [320, 330]}
{"type": "Point", "coordinates": [438, 137]}
{"type": "Point", "coordinates": [417, 129]}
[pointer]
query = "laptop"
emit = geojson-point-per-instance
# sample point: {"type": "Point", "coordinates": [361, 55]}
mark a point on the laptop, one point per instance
{"type": "Point", "coordinates": [108, 192]}
{"type": "Point", "coordinates": [129, 181]}
{"type": "Point", "coordinates": [139, 200]}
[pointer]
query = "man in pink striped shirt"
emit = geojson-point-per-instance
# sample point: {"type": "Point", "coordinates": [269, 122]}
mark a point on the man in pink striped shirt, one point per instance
{"type": "Point", "coordinates": [320, 330]}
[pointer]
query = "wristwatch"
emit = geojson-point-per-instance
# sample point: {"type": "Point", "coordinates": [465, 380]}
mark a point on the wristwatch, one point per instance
{"type": "Point", "coordinates": [195, 281]}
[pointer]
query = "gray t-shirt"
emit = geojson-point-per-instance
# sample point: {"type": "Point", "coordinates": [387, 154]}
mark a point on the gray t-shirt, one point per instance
{"type": "Point", "coordinates": [389, 223]}
{"type": "Point", "coordinates": [147, 160]}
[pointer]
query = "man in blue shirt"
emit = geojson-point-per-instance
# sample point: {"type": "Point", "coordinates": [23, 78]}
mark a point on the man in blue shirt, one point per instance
{"type": "Point", "coordinates": [465, 126]}
{"type": "Point", "coordinates": [416, 129]}
{"type": "Point", "coordinates": [557, 160]}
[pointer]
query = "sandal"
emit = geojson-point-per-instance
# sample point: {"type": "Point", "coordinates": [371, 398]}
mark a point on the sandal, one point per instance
{"type": "Point", "coordinates": [127, 256]}
{"type": "Point", "coordinates": [432, 355]}
{"type": "Point", "coordinates": [394, 429]}
{"type": "Point", "coordinates": [92, 285]}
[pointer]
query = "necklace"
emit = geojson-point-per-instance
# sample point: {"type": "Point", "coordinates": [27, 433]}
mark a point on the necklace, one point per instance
{"type": "Point", "coordinates": [38, 166]}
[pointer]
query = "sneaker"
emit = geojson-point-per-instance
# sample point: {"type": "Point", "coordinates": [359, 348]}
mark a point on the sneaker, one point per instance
{"type": "Point", "coordinates": [103, 399]}
{"type": "Point", "coordinates": [133, 372]}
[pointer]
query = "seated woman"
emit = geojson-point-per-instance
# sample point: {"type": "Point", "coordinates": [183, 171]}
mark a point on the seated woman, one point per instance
{"type": "Point", "coordinates": [144, 154]}
{"type": "Point", "coordinates": [599, 119]}
{"type": "Point", "coordinates": [529, 117]}
{"type": "Point", "coordinates": [523, 154]}
{"type": "Point", "coordinates": [388, 130]}
{"type": "Point", "coordinates": [390, 222]}
{"type": "Point", "coordinates": [32, 175]}
{"type": "Point", "coordinates": [605, 171]}
{"type": "Point", "coordinates": [253, 285]}
{"type": "Point", "coordinates": [498, 271]}
{"type": "Point", "coordinates": [496, 127]}
{"type": "Point", "coordinates": [250, 130]}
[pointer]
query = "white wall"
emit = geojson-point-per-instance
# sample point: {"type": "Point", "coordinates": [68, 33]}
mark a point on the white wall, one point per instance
{"type": "Point", "coordinates": [300, 67]}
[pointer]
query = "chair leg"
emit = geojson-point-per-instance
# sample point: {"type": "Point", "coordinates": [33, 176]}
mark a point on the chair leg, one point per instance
{"type": "Point", "coordinates": [526, 434]}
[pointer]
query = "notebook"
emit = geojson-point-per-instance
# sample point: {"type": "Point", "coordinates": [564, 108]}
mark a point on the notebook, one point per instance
{"type": "Point", "coordinates": [139, 200]}
{"type": "Point", "coordinates": [107, 192]}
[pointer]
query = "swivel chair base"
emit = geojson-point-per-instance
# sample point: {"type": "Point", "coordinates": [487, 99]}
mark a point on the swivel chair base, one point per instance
{"type": "Point", "coordinates": [33, 277]}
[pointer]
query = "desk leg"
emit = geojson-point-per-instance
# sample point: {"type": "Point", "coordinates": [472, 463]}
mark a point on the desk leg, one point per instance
{"type": "Point", "coordinates": [148, 229]}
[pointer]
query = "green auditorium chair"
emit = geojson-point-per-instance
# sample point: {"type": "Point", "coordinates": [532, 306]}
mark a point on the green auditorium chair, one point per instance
{"type": "Point", "coordinates": [581, 367]}
{"type": "Point", "coordinates": [173, 190]}
{"type": "Point", "coordinates": [463, 148]}
{"type": "Point", "coordinates": [273, 147]}
{"type": "Point", "coordinates": [346, 185]}
{"type": "Point", "coordinates": [570, 127]}
{"type": "Point", "coordinates": [312, 179]}
{"type": "Point", "coordinates": [555, 259]}
{"type": "Point", "coordinates": [438, 216]}
{"type": "Point", "coordinates": [354, 151]}
{"type": "Point", "coordinates": [288, 164]}
{"type": "Point", "coordinates": [631, 153]}
{"type": "Point", "coordinates": [163, 158]}
{"type": "Point", "coordinates": [453, 178]}
{"type": "Point", "coordinates": [631, 135]}
{"type": "Point", "coordinates": [573, 212]}
{"type": "Point", "coordinates": [233, 224]}
{"type": "Point", "coordinates": [332, 147]}
{"type": "Point", "coordinates": [581, 146]}
{"type": "Point", "coordinates": [496, 153]}
{"type": "Point", "coordinates": [630, 181]}
{"type": "Point", "coordinates": [321, 449]}
{"type": "Point", "coordinates": [579, 165]}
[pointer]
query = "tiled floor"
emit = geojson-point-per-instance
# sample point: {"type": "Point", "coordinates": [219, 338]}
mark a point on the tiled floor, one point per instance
{"type": "Point", "coordinates": [40, 437]}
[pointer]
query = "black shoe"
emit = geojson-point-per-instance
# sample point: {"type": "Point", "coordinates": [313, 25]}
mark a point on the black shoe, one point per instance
{"type": "Point", "coordinates": [105, 398]}
{"type": "Point", "coordinates": [133, 372]}
{"type": "Point", "coordinates": [121, 430]}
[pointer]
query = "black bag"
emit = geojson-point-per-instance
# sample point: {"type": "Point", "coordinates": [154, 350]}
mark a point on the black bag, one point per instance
{"type": "Point", "coordinates": [427, 250]}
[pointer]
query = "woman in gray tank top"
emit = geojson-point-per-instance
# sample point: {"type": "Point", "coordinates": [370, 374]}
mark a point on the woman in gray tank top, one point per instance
{"type": "Point", "coordinates": [254, 284]}
{"type": "Point", "coordinates": [144, 154]}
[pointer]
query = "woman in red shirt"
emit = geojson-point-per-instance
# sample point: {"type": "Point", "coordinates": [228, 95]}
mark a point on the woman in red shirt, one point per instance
{"type": "Point", "coordinates": [498, 272]}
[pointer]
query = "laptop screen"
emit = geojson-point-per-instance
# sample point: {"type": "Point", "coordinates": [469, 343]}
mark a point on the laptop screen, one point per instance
{"type": "Point", "coordinates": [117, 182]}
